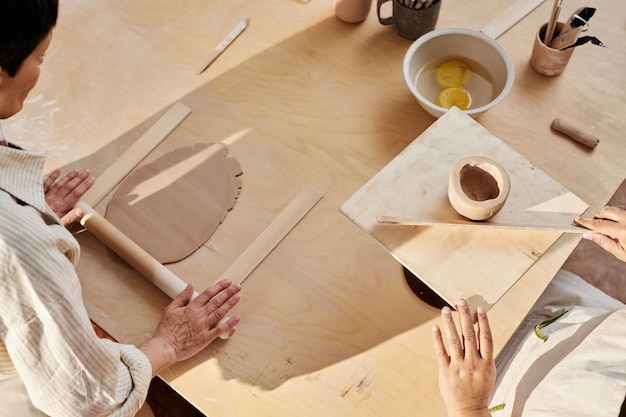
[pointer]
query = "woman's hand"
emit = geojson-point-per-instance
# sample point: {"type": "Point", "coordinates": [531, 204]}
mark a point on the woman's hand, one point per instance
{"type": "Point", "coordinates": [609, 230]}
{"type": "Point", "coordinates": [63, 194]}
{"type": "Point", "coordinates": [187, 327]}
{"type": "Point", "coordinates": [467, 371]}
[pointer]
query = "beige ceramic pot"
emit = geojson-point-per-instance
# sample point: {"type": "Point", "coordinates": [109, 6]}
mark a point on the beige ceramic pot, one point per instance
{"type": "Point", "coordinates": [478, 187]}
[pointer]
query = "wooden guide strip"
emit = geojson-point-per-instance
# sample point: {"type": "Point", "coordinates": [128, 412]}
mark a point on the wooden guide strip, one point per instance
{"type": "Point", "coordinates": [273, 234]}
{"type": "Point", "coordinates": [136, 153]}
{"type": "Point", "coordinates": [510, 17]}
{"type": "Point", "coordinates": [406, 221]}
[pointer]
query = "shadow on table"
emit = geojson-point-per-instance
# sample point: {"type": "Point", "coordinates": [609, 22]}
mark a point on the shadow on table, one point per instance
{"type": "Point", "coordinates": [327, 106]}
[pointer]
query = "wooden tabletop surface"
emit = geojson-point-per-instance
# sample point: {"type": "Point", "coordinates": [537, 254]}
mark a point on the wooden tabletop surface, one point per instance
{"type": "Point", "coordinates": [329, 325]}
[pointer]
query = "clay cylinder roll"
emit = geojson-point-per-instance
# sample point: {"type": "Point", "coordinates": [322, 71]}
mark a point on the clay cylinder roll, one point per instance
{"type": "Point", "coordinates": [478, 187]}
{"type": "Point", "coordinates": [138, 258]}
{"type": "Point", "coordinates": [575, 133]}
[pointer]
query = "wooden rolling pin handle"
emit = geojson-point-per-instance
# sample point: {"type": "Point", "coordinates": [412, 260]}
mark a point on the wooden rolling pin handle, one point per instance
{"type": "Point", "coordinates": [575, 133]}
{"type": "Point", "coordinates": [135, 255]}
{"type": "Point", "coordinates": [138, 258]}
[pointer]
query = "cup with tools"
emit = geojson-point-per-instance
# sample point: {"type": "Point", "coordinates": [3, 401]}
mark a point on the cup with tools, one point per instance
{"type": "Point", "coordinates": [411, 18]}
{"type": "Point", "coordinates": [555, 41]}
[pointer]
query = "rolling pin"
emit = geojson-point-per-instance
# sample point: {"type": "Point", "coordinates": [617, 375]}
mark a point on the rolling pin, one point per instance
{"type": "Point", "coordinates": [138, 258]}
{"type": "Point", "coordinates": [575, 133]}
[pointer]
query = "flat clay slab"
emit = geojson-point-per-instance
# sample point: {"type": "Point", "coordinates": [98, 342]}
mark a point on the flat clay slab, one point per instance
{"type": "Point", "coordinates": [171, 206]}
{"type": "Point", "coordinates": [477, 263]}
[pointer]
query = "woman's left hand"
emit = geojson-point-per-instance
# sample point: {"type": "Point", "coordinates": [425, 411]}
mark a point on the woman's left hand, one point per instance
{"type": "Point", "coordinates": [63, 194]}
{"type": "Point", "coordinates": [608, 229]}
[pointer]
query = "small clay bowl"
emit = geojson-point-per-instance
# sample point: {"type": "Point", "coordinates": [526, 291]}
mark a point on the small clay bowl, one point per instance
{"type": "Point", "coordinates": [478, 187]}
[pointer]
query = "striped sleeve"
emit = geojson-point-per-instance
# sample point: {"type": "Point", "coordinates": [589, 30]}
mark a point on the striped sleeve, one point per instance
{"type": "Point", "coordinates": [66, 368]}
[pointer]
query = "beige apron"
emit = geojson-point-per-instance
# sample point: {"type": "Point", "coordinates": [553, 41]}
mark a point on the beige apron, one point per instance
{"type": "Point", "coordinates": [568, 358]}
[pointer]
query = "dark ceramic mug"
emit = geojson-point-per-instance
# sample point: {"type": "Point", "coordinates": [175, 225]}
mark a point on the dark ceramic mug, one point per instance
{"type": "Point", "coordinates": [408, 22]}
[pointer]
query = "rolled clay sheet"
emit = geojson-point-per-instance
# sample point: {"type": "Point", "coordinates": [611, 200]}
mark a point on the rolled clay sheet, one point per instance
{"type": "Point", "coordinates": [173, 205]}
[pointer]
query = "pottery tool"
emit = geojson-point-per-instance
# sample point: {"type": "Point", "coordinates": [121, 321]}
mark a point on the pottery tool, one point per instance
{"type": "Point", "coordinates": [580, 18]}
{"type": "Point", "coordinates": [566, 38]}
{"type": "Point", "coordinates": [576, 23]}
{"type": "Point", "coordinates": [238, 29]}
{"type": "Point", "coordinates": [142, 261]}
{"type": "Point", "coordinates": [410, 221]}
{"type": "Point", "coordinates": [273, 234]}
{"type": "Point", "coordinates": [516, 12]}
{"type": "Point", "coordinates": [136, 153]}
{"type": "Point", "coordinates": [554, 17]}
{"type": "Point", "coordinates": [584, 39]}
{"type": "Point", "coordinates": [575, 133]}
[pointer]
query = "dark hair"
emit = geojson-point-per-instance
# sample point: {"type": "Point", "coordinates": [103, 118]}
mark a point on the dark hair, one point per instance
{"type": "Point", "coordinates": [23, 25]}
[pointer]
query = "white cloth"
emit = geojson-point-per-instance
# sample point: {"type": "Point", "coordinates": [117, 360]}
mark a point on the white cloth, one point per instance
{"type": "Point", "coordinates": [575, 366]}
{"type": "Point", "coordinates": [51, 361]}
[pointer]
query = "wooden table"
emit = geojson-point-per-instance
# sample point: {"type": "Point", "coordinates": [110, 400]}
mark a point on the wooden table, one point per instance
{"type": "Point", "coordinates": [329, 325]}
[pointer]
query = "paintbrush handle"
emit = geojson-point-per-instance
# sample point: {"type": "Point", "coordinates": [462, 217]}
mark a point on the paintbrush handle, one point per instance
{"type": "Point", "coordinates": [552, 23]}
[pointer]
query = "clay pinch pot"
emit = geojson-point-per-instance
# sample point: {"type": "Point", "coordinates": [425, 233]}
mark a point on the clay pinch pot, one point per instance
{"type": "Point", "coordinates": [478, 187]}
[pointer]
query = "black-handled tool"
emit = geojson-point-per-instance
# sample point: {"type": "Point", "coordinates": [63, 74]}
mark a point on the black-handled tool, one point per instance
{"type": "Point", "coordinates": [584, 39]}
{"type": "Point", "coordinates": [581, 17]}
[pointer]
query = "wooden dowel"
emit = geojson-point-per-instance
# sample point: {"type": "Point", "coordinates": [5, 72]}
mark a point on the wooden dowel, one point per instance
{"type": "Point", "coordinates": [575, 133]}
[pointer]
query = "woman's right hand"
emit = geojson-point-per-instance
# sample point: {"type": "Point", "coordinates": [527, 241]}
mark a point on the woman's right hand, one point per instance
{"type": "Point", "coordinates": [62, 194]}
{"type": "Point", "coordinates": [187, 327]}
{"type": "Point", "coordinates": [608, 230]}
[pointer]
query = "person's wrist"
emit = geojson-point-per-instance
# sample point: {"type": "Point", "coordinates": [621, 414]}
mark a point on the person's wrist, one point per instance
{"type": "Point", "coordinates": [160, 353]}
{"type": "Point", "coordinates": [469, 412]}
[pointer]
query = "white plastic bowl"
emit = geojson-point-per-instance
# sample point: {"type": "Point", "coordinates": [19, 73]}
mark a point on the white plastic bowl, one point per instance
{"type": "Point", "coordinates": [459, 43]}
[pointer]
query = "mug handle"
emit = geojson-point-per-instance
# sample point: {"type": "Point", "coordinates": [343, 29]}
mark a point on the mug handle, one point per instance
{"type": "Point", "coordinates": [383, 20]}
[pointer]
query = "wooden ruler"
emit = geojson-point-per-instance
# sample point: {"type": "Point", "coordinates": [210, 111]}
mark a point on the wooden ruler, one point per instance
{"type": "Point", "coordinates": [136, 153]}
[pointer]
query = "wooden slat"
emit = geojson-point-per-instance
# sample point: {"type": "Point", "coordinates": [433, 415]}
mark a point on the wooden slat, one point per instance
{"type": "Point", "coordinates": [136, 153]}
{"type": "Point", "coordinates": [411, 221]}
{"type": "Point", "coordinates": [510, 17]}
{"type": "Point", "coordinates": [269, 238]}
